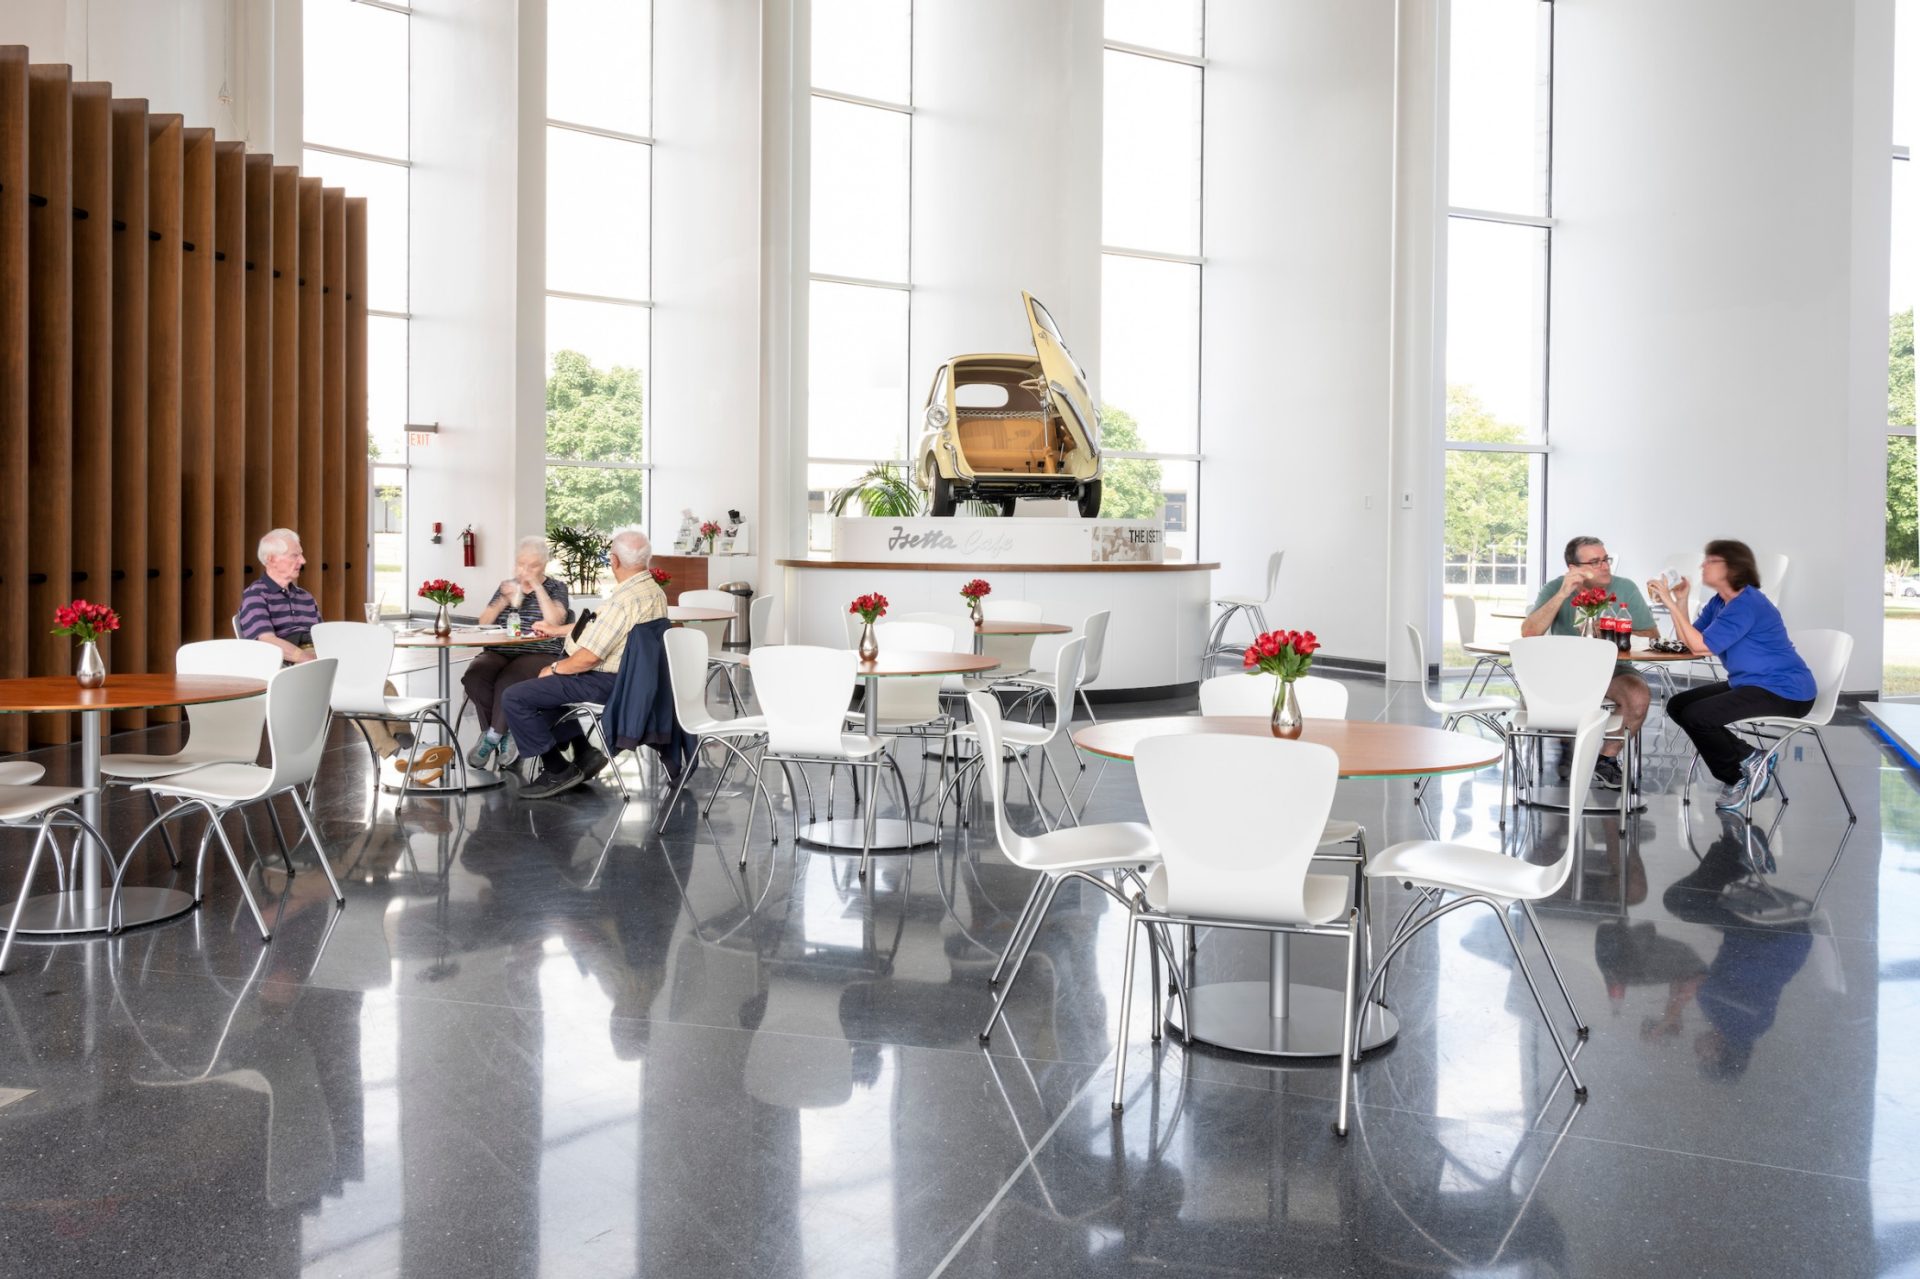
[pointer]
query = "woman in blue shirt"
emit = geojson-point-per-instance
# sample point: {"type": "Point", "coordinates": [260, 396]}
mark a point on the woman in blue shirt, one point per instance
{"type": "Point", "coordinates": [1765, 676]}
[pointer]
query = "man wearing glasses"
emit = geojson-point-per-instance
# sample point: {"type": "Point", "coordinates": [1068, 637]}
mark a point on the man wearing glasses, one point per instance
{"type": "Point", "coordinates": [1589, 565]}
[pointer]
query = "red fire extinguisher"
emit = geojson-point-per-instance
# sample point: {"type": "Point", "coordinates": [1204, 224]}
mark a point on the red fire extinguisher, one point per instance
{"type": "Point", "coordinates": [466, 546]}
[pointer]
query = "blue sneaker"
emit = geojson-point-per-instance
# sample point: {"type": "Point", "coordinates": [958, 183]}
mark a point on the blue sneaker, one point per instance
{"type": "Point", "coordinates": [1758, 770]}
{"type": "Point", "coordinates": [477, 757]}
{"type": "Point", "coordinates": [1733, 796]}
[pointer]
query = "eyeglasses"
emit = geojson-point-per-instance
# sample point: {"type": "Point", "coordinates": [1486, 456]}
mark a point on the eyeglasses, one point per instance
{"type": "Point", "coordinates": [1604, 559]}
{"type": "Point", "coordinates": [1712, 559]}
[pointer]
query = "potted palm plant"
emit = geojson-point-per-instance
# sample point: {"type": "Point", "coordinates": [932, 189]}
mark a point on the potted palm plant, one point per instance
{"type": "Point", "coordinates": [883, 492]}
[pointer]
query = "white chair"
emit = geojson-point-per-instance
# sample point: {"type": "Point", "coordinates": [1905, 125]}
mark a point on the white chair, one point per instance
{"type": "Point", "coordinates": [297, 706]}
{"type": "Point", "coordinates": [1018, 738]}
{"type": "Point", "coordinates": [803, 694]}
{"type": "Point", "coordinates": [1094, 631]}
{"type": "Point", "coordinates": [23, 804]}
{"type": "Point", "coordinates": [1204, 795]}
{"type": "Point", "coordinates": [1244, 694]}
{"type": "Point", "coordinates": [1562, 679]}
{"type": "Point", "coordinates": [1232, 606]}
{"type": "Point", "coordinates": [218, 732]}
{"type": "Point", "coordinates": [687, 658]}
{"type": "Point", "coordinates": [1013, 652]}
{"type": "Point", "coordinates": [909, 706]}
{"type": "Point", "coordinates": [1486, 710]}
{"type": "Point", "coordinates": [364, 653]}
{"type": "Point", "coordinates": [1490, 658]}
{"type": "Point", "coordinates": [759, 629]}
{"type": "Point", "coordinates": [1083, 852]}
{"type": "Point", "coordinates": [20, 772]}
{"type": "Point", "coordinates": [1773, 568]}
{"type": "Point", "coordinates": [1826, 654]}
{"type": "Point", "coordinates": [1495, 881]}
{"type": "Point", "coordinates": [716, 633]}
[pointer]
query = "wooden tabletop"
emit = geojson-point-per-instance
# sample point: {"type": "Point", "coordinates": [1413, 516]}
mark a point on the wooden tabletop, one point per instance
{"type": "Point", "coordinates": [488, 638]}
{"type": "Point", "coordinates": [122, 692]}
{"type": "Point", "coordinates": [1021, 628]}
{"type": "Point", "coordinates": [1116, 566]}
{"type": "Point", "coordinates": [688, 613]}
{"type": "Point", "coordinates": [1366, 748]}
{"type": "Point", "coordinates": [914, 662]}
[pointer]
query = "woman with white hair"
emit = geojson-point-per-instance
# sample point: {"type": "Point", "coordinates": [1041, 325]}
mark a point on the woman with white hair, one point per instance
{"type": "Point", "coordinates": [534, 598]}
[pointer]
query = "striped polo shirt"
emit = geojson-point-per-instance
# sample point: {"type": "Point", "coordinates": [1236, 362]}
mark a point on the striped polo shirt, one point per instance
{"type": "Point", "coordinates": [286, 612]}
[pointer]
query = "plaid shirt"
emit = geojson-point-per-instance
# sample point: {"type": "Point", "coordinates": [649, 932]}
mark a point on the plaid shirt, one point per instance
{"type": "Point", "coordinates": [286, 612]}
{"type": "Point", "coordinates": [636, 600]}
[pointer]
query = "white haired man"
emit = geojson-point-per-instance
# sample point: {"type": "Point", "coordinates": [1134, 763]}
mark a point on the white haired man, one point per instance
{"type": "Point", "coordinates": [584, 674]}
{"type": "Point", "coordinates": [537, 600]}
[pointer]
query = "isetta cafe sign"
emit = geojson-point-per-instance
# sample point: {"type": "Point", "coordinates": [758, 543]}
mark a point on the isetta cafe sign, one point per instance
{"type": "Point", "coordinates": [998, 541]}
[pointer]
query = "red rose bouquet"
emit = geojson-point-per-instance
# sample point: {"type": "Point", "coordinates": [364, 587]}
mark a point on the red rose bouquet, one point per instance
{"type": "Point", "coordinates": [975, 589]}
{"type": "Point", "coordinates": [661, 576]}
{"type": "Point", "coordinates": [442, 592]}
{"type": "Point", "coordinates": [1592, 602]}
{"type": "Point", "coordinates": [709, 530]}
{"type": "Point", "coordinates": [1286, 654]}
{"type": "Point", "coordinates": [84, 621]}
{"type": "Point", "coordinates": [871, 607]}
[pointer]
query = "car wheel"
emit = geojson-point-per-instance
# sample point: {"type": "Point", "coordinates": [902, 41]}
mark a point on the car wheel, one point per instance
{"type": "Point", "coordinates": [1006, 504]}
{"type": "Point", "coordinates": [941, 505]}
{"type": "Point", "coordinates": [1090, 499]}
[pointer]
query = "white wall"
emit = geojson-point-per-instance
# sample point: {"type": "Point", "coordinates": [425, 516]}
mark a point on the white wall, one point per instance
{"type": "Point", "coordinates": [1297, 309]}
{"type": "Point", "coordinates": [1719, 289]}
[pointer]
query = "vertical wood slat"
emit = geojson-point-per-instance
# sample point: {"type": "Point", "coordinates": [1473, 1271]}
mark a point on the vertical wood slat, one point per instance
{"type": "Point", "coordinates": [260, 342]}
{"type": "Point", "coordinates": [196, 386]}
{"type": "Point", "coordinates": [229, 381]}
{"type": "Point", "coordinates": [333, 405]}
{"type": "Point", "coordinates": [165, 163]}
{"type": "Point", "coordinates": [15, 641]}
{"type": "Point", "coordinates": [93, 341]}
{"type": "Point", "coordinates": [359, 550]}
{"type": "Point", "coordinates": [286, 347]}
{"type": "Point", "coordinates": [129, 522]}
{"type": "Point", "coordinates": [50, 374]}
{"type": "Point", "coordinates": [312, 525]}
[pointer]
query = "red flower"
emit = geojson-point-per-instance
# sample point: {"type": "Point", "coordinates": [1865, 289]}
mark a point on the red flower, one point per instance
{"type": "Point", "coordinates": [976, 588]}
{"type": "Point", "coordinates": [441, 591]}
{"type": "Point", "coordinates": [869, 606]}
{"type": "Point", "coordinates": [661, 576]}
{"type": "Point", "coordinates": [1286, 654]}
{"type": "Point", "coordinates": [84, 620]}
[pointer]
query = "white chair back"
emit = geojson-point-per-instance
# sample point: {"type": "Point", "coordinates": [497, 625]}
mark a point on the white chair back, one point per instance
{"type": "Point", "coordinates": [1826, 654]}
{"type": "Point", "coordinates": [1244, 694]}
{"type": "Point", "coordinates": [1273, 575]}
{"type": "Point", "coordinates": [1066, 677]}
{"type": "Point", "coordinates": [687, 673]}
{"type": "Point", "coordinates": [803, 693]}
{"type": "Point", "coordinates": [1420, 666]}
{"type": "Point", "coordinates": [1095, 629]}
{"type": "Point", "coordinates": [1014, 846]}
{"type": "Point", "coordinates": [364, 653]}
{"type": "Point", "coordinates": [1773, 575]}
{"type": "Point", "coordinates": [1561, 678]}
{"type": "Point", "coordinates": [994, 610]}
{"type": "Point", "coordinates": [760, 620]}
{"type": "Point", "coordinates": [1238, 820]}
{"type": "Point", "coordinates": [716, 632]}
{"type": "Point", "coordinates": [229, 730]}
{"type": "Point", "coordinates": [912, 697]}
{"type": "Point", "coordinates": [1587, 739]}
{"type": "Point", "coordinates": [297, 700]}
{"type": "Point", "coordinates": [1466, 617]}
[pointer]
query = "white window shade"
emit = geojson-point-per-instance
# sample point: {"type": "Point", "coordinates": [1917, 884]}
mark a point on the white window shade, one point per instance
{"type": "Point", "coordinates": [1151, 188]}
{"type": "Point", "coordinates": [864, 48]}
{"type": "Point", "coordinates": [367, 109]}
{"type": "Point", "coordinates": [861, 190]}
{"type": "Point", "coordinates": [1499, 105]}
{"type": "Point", "coordinates": [1497, 323]}
{"type": "Point", "coordinates": [857, 398]}
{"type": "Point", "coordinates": [599, 203]}
{"type": "Point", "coordinates": [600, 64]}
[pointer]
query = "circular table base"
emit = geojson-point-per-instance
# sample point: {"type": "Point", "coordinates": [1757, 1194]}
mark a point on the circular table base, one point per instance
{"type": "Point", "coordinates": [1235, 1014]}
{"type": "Point", "coordinates": [890, 834]}
{"type": "Point", "coordinates": [56, 913]}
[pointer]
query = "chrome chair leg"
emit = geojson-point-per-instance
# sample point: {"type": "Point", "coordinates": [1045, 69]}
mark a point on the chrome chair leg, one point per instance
{"type": "Point", "coordinates": [1349, 1039]}
{"type": "Point", "coordinates": [1126, 1012]}
{"type": "Point", "coordinates": [1533, 921]}
{"type": "Point", "coordinates": [1533, 987]}
{"type": "Point", "coordinates": [1040, 910]}
{"type": "Point", "coordinates": [1833, 772]}
{"type": "Point", "coordinates": [246, 889]}
{"type": "Point", "coordinates": [26, 888]}
{"type": "Point", "coordinates": [1019, 927]}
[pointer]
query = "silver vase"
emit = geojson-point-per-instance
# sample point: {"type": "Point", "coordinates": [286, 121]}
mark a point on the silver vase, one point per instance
{"type": "Point", "coordinates": [1287, 721]}
{"type": "Point", "coordinates": [443, 621]}
{"type": "Point", "coordinates": [869, 646]}
{"type": "Point", "coordinates": [90, 672]}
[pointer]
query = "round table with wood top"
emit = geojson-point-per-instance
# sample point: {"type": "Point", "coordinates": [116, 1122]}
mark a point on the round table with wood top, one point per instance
{"type": "Point", "coordinates": [443, 646]}
{"type": "Point", "coordinates": [1011, 627]}
{"type": "Point", "coordinates": [1281, 1017]}
{"type": "Point", "coordinates": [82, 908]}
{"type": "Point", "coordinates": [891, 832]}
{"type": "Point", "coordinates": [681, 613]}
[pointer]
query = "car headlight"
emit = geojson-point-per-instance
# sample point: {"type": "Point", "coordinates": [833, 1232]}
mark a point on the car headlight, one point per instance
{"type": "Point", "coordinates": [937, 416]}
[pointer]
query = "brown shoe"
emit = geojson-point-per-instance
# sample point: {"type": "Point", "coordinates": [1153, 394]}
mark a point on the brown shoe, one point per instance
{"type": "Point", "coordinates": [427, 766]}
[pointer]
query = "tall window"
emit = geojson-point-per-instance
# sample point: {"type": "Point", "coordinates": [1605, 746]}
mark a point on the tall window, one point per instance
{"type": "Point", "coordinates": [1150, 264]}
{"type": "Point", "coordinates": [599, 261]}
{"type": "Point", "coordinates": [1499, 240]}
{"type": "Point", "coordinates": [1901, 667]}
{"type": "Point", "coordinates": [355, 121]}
{"type": "Point", "coordinates": [858, 397]}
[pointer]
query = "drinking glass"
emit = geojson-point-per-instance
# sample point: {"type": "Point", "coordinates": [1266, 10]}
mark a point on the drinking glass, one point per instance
{"type": "Point", "coordinates": [373, 615]}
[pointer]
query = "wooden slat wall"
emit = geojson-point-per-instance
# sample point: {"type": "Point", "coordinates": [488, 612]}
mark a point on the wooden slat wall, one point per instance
{"type": "Point", "coordinates": [15, 640]}
{"type": "Point", "coordinates": [229, 381]}
{"type": "Point", "coordinates": [196, 388]}
{"type": "Point", "coordinates": [129, 594]}
{"type": "Point", "coordinates": [311, 522]}
{"type": "Point", "coordinates": [50, 368]}
{"type": "Point", "coordinates": [165, 160]}
{"type": "Point", "coordinates": [182, 368]}
{"type": "Point", "coordinates": [359, 554]}
{"type": "Point", "coordinates": [333, 402]}
{"type": "Point", "coordinates": [259, 285]}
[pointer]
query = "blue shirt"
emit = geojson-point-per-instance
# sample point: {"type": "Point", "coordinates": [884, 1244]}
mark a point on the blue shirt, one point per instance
{"type": "Point", "coordinates": [1750, 640]}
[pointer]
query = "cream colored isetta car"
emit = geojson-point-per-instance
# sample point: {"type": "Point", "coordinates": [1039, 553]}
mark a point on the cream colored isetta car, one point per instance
{"type": "Point", "coordinates": [1002, 427]}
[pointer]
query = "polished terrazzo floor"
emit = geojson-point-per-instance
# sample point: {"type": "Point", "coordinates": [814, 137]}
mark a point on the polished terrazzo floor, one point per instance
{"type": "Point", "coordinates": [535, 1042]}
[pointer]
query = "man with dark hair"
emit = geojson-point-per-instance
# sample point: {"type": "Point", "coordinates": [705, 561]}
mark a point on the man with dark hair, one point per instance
{"type": "Point", "coordinates": [1589, 565]}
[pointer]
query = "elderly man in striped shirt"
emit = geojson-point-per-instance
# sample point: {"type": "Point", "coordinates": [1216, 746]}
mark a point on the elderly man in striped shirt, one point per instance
{"type": "Point", "coordinates": [275, 609]}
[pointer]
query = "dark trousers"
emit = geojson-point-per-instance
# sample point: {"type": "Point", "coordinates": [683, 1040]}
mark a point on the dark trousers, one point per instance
{"type": "Point", "coordinates": [533, 709]}
{"type": "Point", "coordinates": [490, 675]}
{"type": "Point", "coordinates": [1704, 713]}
